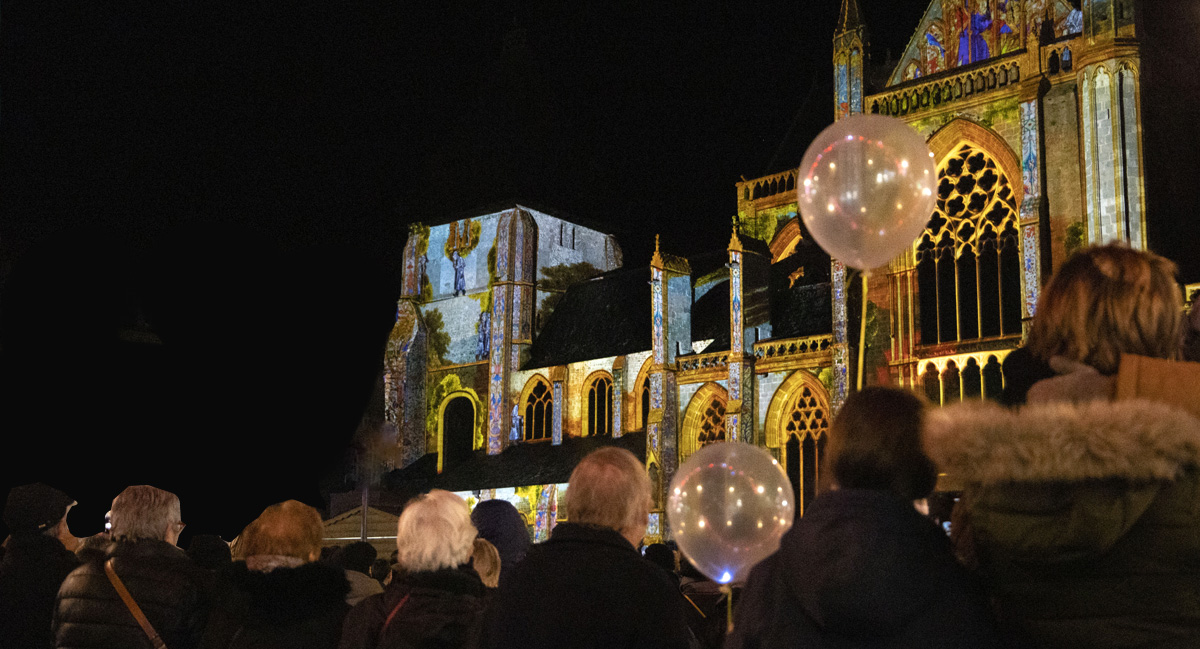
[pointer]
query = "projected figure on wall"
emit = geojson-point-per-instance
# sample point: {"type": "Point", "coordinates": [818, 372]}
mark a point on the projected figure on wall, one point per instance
{"type": "Point", "coordinates": [422, 275]}
{"type": "Point", "coordinates": [460, 270]}
{"type": "Point", "coordinates": [483, 338]}
{"type": "Point", "coordinates": [980, 22]}
{"type": "Point", "coordinates": [518, 425]}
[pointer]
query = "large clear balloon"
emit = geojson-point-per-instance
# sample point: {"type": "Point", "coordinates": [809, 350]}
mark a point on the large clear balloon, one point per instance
{"type": "Point", "coordinates": [729, 505]}
{"type": "Point", "coordinates": [868, 185]}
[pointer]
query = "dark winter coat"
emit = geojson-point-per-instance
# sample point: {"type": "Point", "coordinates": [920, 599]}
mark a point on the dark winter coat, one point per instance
{"type": "Point", "coordinates": [286, 608]}
{"type": "Point", "coordinates": [33, 568]}
{"type": "Point", "coordinates": [588, 587]}
{"type": "Point", "coordinates": [162, 580]}
{"type": "Point", "coordinates": [443, 609]}
{"type": "Point", "coordinates": [862, 569]}
{"type": "Point", "coordinates": [1083, 518]}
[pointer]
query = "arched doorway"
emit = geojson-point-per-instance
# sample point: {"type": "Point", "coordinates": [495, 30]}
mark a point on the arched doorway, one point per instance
{"type": "Point", "coordinates": [458, 430]}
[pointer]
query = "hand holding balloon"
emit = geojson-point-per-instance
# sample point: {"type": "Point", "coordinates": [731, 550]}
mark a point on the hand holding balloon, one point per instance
{"type": "Point", "coordinates": [728, 506]}
{"type": "Point", "coordinates": [867, 189]}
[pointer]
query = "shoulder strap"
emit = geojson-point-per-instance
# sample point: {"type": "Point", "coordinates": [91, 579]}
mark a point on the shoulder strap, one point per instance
{"type": "Point", "coordinates": [133, 607]}
{"type": "Point", "coordinates": [388, 621]}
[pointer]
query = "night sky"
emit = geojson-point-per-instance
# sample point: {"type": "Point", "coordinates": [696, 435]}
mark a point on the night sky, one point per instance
{"type": "Point", "coordinates": [237, 181]}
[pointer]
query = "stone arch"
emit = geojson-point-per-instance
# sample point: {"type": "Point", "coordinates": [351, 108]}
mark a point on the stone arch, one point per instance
{"type": "Point", "coordinates": [705, 416]}
{"type": "Point", "coordinates": [477, 437]}
{"type": "Point", "coordinates": [798, 421]}
{"type": "Point", "coordinates": [640, 411]}
{"type": "Point", "coordinates": [792, 387]}
{"type": "Point", "coordinates": [547, 422]}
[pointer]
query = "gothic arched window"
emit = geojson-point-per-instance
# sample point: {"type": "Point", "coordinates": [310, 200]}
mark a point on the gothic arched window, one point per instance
{"type": "Point", "coordinates": [712, 424]}
{"type": "Point", "coordinates": [805, 427]}
{"type": "Point", "coordinates": [968, 260]}
{"type": "Point", "coordinates": [539, 411]}
{"type": "Point", "coordinates": [599, 406]}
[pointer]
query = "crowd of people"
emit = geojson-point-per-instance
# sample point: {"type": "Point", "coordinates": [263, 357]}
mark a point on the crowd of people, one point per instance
{"type": "Point", "coordinates": [1077, 525]}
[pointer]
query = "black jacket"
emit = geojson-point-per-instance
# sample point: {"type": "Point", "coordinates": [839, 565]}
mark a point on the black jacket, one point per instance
{"type": "Point", "coordinates": [861, 569]}
{"type": "Point", "coordinates": [33, 568]}
{"type": "Point", "coordinates": [162, 580]}
{"type": "Point", "coordinates": [288, 608]}
{"type": "Point", "coordinates": [587, 587]}
{"type": "Point", "coordinates": [442, 609]}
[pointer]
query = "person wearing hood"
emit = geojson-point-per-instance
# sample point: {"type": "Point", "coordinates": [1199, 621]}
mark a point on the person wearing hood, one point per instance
{"type": "Point", "coordinates": [276, 595]}
{"type": "Point", "coordinates": [1080, 506]}
{"type": "Point", "coordinates": [499, 523]}
{"type": "Point", "coordinates": [35, 563]}
{"type": "Point", "coordinates": [435, 598]}
{"type": "Point", "coordinates": [863, 568]}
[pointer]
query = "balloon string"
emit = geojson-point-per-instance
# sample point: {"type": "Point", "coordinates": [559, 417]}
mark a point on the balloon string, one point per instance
{"type": "Point", "coordinates": [862, 331]}
{"type": "Point", "coordinates": [728, 590]}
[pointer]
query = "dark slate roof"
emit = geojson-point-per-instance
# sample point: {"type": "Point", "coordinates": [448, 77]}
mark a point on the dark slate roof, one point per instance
{"type": "Point", "coordinates": [710, 318]}
{"type": "Point", "coordinates": [805, 308]}
{"type": "Point", "coordinates": [518, 466]}
{"type": "Point", "coordinates": [605, 316]}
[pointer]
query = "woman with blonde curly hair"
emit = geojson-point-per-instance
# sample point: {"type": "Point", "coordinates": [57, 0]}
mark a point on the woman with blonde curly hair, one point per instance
{"type": "Point", "coordinates": [1079, 507]}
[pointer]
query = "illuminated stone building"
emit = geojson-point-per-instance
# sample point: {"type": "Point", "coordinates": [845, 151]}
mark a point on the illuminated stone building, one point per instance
{"type": "Point", "coordinates": [522, 342]}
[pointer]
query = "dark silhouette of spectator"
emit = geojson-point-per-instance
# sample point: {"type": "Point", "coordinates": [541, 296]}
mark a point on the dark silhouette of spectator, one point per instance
{"type": "Point", "coordinates": [499, 522]}
{"type": "Point", "coordinates": [93, 548]}
{"type": "Point", "coordinates": [209, 551]}
{"type": "Point", "coordinates": [356, 559]}
{"type": "Point", "coordinates": [275, 595]}
{"type": "Point", "coordinates": [380, 570]}
{"type": "Point", "coordinates": [162, 581]}
{"type": "Point", "coordinates": [663, 557]}
{"type": "Point", "coordinates": [863, 568]}
{"type": "Point", "coordinates": [435, 598]}
{"type": "Point", "coordinates": [35, 564]}
{"type": "Point", "coordinates": [588, 576]}
{"type": "Point", "coordinates": [706, 612]}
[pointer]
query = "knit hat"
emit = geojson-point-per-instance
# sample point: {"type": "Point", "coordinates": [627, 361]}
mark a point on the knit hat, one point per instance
{"type": "Point", "coordinates": [35, 507]}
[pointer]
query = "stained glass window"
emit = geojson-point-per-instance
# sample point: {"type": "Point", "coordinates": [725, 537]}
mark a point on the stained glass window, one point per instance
{"type": "Point", "coordinates": [712, 424]}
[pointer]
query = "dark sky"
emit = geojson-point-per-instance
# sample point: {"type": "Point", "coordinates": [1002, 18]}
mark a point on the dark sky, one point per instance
{"type": "Point", "coordinates": [240, 177]}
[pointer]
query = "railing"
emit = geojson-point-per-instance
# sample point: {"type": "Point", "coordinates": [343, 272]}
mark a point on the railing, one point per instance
{"type": "Point", "coordinates": [914, 96]}
{"type": "Point", "coordinates": [789, 347]}
{"type": "Point", "coordinates": [696, 362]}
{"type": "Point", "coordinates": [779, 183]}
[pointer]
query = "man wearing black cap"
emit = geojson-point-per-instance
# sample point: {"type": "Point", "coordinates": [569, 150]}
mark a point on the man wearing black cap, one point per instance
{"type": "Point", "coordinates": [35, 563]}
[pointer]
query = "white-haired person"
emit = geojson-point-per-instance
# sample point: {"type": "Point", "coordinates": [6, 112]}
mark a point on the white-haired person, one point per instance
{"type": "Point", "coordinates": [435, 598]}
{"type": "Point", "coordinates": [275, 595]}
{"type": "Point", "coordinates": [589, 577]}
{"type": "Point", "coordinates": [142, 575]}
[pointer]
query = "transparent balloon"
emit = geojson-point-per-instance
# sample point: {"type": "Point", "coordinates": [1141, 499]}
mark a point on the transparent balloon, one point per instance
{"type": "Point", "coordinates": [728, 506]}
{"type": "Point", "coordinates": [868, 186]}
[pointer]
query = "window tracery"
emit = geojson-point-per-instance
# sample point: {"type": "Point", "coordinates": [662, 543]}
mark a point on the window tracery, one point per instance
{"type": "Point", "coordinates": [968, 266]}
{"type": "Point", "coordinates": [539, 411]}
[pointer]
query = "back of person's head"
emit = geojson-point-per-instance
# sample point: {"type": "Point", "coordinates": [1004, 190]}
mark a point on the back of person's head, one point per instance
{"type": "Point", "coordinates": [380, 569]}
{"type": "Point", "coordinates": [499, 522]}
{"type": "Point", "coordinates": [875, 443]}
{"type": "Point", "coordinates": [609, 488]}
{"type": "Point", "coordinates": [357, 556]}
{"type": "Point", "coordinates": [434, 532]}
{"type": "Point", "coordinates": [209, 551]}
{"type": "Point", "coordinates": [1106, 301]}
{"type": "Point", "coordinates": [35, 508]}
{"type": "Point", "coordinates": [661, 555]}
{"type": "Point", "coordinates": [286, 529]}
{"type": "Point", "coordinates": [144, 512]}
{"type": "Point", "coordinates": [486, 560]}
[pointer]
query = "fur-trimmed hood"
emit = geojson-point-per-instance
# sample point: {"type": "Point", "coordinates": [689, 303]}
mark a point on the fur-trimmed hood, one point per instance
{"type": "Point", "coordinates": [1140, 441]}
